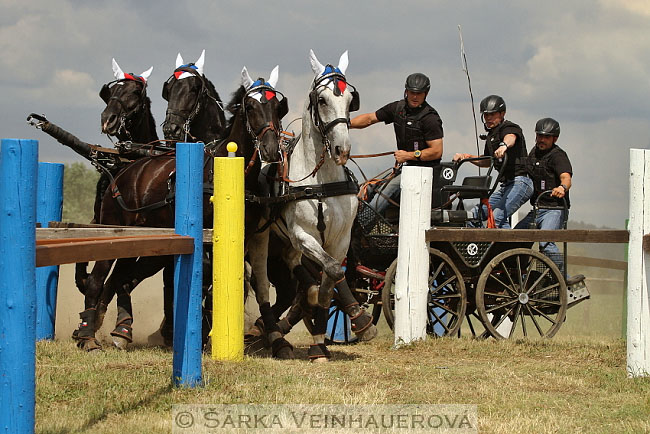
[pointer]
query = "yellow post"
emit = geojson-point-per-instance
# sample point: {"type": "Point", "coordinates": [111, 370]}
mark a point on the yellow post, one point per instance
{"type": "Point", "coordinates": [228, 257]}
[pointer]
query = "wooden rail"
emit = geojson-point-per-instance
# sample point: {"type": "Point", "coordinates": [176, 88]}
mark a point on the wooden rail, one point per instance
{"type": "Point", "coordinates": [61, 230]}
{"type": "Point", "coordinates": [531, 235]}
{"type": "Point", "coordinates": [72, 250]}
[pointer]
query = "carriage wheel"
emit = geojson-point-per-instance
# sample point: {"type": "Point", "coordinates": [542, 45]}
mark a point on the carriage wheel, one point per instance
{"type": "Point", "coordinates": [525, 287]}
{"type": "Point", "coordinates": [446, 301]}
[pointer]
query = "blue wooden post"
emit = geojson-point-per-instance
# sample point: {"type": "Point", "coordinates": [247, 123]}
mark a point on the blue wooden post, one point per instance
{"type": "Point", "coordinates": [18, 172]}
{"type": "Point", "coordinates": [188, 273]}
{"type": "Point", "coordinates": [49, 207]}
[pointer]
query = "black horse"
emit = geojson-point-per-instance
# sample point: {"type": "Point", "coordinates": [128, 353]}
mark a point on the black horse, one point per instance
{"type": "Point", "coordinates": [255, 126]}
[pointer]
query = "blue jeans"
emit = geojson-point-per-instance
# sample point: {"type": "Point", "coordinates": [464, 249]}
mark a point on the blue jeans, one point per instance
{"type": "Point", "coordinates": [380, 201]}
{"type": "Point", "coordinates": [547, 219]}
{"type": "Point", "coordinates": [507, 199]}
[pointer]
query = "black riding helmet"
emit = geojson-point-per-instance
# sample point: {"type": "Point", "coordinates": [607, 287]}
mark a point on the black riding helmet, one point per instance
{"type": "Point", "coordinates": [547, 127]}
{"type": "Point", "coordinates": [492, 104]}
{"type": "Point", "coordinates": [417, 82]}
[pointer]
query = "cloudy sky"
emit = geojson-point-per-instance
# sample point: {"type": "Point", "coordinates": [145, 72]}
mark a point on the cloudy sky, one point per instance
{"type": "Point", "coordinates": [584, 62]}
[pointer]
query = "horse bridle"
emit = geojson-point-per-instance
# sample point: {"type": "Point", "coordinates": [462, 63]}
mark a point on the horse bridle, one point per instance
{"type": "Point", "coordinates": [324, 128]}
{"type": "Point", "coordinates": [204, 92]}
{"type": "Point", "coordinates": [266, 126]}
{"type": "Point", "coordinates": [127, 116]}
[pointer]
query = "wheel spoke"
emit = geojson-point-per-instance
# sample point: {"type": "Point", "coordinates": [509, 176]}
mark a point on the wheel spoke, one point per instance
{"type": "Point", "coordinates": [443, 307]}
{"type": "Point", "coordinates": [505, 270]}
{"type": "Point", "coordinates": [519, 273]}
{"type": "Point", "coordinates": [549, 302]}
{"type": "Point", "coordinates": [435, 275]}
{"type": "Point", "coordinates": [447, 296]}
{"type": "Point", "coordinates": [440, 322]}
{"type": "Point", "coordinates": [447, 282]}
{"type": "Point", "coordinates": [539, 312]}
{"type": "Point", "coordinates": [505, 285]}
{"type": "Point", "coordinates": [492, 309]}
{"type": "Point", "coordinates": [539, 279]}
{"type": "Point", "coordinates": [543, 290]}
{"type": "Point", "coordinates": [539, 329]}
{"type": "Point", "coordinates": [496, 326]}
{"type": "Point", "coordinates": [514, 321]}
{"type": "Point", "coordinates": [523, 322]}
{"type": "Point", "coordinates": [493, 294]}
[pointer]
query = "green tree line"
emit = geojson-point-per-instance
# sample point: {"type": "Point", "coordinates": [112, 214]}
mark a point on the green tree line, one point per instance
{"type": "Point", "coordinates": [79, 183]}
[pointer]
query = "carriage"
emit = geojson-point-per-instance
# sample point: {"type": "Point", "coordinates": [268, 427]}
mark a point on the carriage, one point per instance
{"type": "Point", "coordinates": [482, 289]}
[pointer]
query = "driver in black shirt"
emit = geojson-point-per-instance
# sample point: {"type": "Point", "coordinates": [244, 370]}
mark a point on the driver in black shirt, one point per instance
{"type": "Point", "coordinates": [418, 131]}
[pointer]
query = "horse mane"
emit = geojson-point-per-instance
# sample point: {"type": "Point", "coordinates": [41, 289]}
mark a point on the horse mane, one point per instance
{"type": "Point", "coordinates": [234, 107]}
{"type": "Point", "coordinates": [151, 123]}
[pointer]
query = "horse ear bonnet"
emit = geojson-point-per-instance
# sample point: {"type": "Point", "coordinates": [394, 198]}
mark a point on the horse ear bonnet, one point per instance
{"type": "Point", "coordinates": [105, 93]}
{"type": "Point", "coordinates": [355, 104]}
{"type": "Point", "coordinates": [165, 89]}
{"type": "Point", "coordinates": [283, 108]}
{"type": "Point", "coordinates": [313, 98]}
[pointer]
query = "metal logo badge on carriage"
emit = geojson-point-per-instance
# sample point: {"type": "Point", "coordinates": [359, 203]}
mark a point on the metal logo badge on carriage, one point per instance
{"type": "Point", "coordinates": [472, 249]}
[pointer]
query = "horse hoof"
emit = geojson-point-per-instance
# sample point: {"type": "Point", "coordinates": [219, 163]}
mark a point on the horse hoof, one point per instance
{"type": "Point", "coordinates": [282, 349]}
{"type": "Point", "coordinates": [312, 295]}
{"type": "Point", "coordinates": [369, 334]}
{"type": "Point", "coordinates": [318, 353]}
{"type": "Point", "coordinates": [89, 345]}
{"type": "Point", "coordinates": [120, 343]}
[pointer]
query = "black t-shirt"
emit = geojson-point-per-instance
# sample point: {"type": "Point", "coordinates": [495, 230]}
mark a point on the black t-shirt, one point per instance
{"type": "Point", "coordinates": [515, 153]}
{"type": "Point", "coordinates": [430, 125]}
{"type": "Point", "coordinates": [545, 168]}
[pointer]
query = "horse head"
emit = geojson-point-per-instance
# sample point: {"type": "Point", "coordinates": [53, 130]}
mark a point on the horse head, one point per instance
{"type": "Point", "coordinates": [261, 107]}
{"type": "Point", "coordinates": [127, 104]}
{"type": "Point", "coordinates": [194, 109]}
{"type": "Point", "coordinates": [331, 99]}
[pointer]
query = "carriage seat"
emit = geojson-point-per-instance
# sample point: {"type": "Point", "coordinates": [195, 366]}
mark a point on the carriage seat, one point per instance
{"type": "Point", "coordinates": [474, 187]}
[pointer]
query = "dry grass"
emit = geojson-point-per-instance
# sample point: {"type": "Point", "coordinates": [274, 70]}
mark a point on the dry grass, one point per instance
{"type": "Point", "coordinates": [561, 385]}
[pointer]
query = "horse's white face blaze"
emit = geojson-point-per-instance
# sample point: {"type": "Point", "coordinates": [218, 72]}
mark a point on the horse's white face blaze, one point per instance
{"type": "Point", "coordinates": [333, 107]}
{"type": "Point", "coordinates": [262, 111]}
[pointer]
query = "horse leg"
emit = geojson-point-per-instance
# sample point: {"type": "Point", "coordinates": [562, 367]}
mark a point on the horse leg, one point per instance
{"type": "Point", "coordinates": [361, 320]}
{"type": "Point", "coordinates": [122, 335]}
{"type": "Point", "coordinates": [332, 270]}
{"type": "Point", "coordinates": [86, 331]}
{"type": "Point", "coordinates": [318, 351]}
{"type": "Point", "coordinates": [258, 255]}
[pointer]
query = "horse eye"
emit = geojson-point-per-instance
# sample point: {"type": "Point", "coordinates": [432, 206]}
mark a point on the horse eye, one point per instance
{"type": "Point", "coordinates": [321, 100]}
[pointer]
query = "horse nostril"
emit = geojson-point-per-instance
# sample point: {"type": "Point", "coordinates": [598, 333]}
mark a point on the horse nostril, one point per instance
{"type": "Point", "coordinates": [337, 150]}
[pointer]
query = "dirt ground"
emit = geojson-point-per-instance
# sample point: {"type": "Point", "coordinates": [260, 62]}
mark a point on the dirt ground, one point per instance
{"type": "Point", "coordinates": [147, 301]}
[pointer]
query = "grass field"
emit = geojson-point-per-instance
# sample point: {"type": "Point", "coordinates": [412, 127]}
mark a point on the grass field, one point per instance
{"type": "Point", "coordinates": [562, 385]}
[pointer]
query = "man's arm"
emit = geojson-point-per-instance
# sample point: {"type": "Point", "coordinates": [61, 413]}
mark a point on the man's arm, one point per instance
{"type": "Point", "coordinates": [364, 120]}
{"type": "Point", "coordinates": [433, 151]}
{"type": "Point", "coordinates": [565, 180]}
{"type": "Point", "coordinates": [509, 141]}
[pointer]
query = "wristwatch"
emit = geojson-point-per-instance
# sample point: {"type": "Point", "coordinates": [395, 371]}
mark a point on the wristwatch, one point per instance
{"type": "Point", "coordinates": [564, 187]}
{"type": "Point", "coordinates": [417, 154]}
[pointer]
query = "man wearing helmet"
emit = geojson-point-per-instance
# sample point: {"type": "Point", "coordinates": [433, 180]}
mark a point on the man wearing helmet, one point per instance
{"type": "Point", "coordinates": [503, 138]}
{"type": "Point", "coordinates": [418, 131]}
{"type": "Point", "coordinates": [550, 169]}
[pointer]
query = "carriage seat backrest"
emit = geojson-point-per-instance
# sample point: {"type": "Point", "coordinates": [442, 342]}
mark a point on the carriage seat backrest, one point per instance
{"type": "Point", "coordinates": [473, 187]}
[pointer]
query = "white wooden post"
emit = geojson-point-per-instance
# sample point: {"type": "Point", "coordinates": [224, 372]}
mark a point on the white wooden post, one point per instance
{"type": "Point", "coordinates": [638, 263]}
{"type": "Point", "coordinates": [412, 278]}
